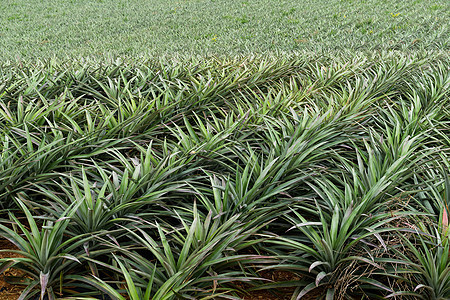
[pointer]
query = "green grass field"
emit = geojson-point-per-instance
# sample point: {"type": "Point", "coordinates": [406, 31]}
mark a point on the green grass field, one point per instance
{"type": "Point", "coordinates": [68, 28]}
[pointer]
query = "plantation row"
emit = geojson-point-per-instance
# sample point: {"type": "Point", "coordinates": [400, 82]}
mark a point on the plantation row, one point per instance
{"type": "Point", "coordinates": [166, 180]}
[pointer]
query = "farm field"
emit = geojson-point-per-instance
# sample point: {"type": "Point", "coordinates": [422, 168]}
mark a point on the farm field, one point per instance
{"type": "Point", "coordinates": [224, 150]}
{"type": "Point", "coordinates": [194, 179]}
{"type": "Point", "coordinates": [103, 28]}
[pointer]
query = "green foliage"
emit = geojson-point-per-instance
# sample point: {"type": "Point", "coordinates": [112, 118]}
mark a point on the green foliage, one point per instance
{"type": "Point", "coordinates": [46, 254]}
{"type": "Point", "coordinates": [72, 29]}
{"type": "Point", "coordinates": [178, 179]}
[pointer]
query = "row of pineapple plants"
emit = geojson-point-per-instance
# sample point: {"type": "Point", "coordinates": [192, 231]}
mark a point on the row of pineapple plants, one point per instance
{"type": "Point", "coordinates": [181, 179]}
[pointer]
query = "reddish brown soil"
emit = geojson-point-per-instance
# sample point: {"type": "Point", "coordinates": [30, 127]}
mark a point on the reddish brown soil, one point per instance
{"type": "Point", "coordinates": [8, 291]}
{"type": "Point", "coordinates": [281, 293]}
{"type": "Point", "coordinates": [258, 295]}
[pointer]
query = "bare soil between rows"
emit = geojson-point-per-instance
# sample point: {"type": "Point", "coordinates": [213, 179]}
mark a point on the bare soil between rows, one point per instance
{"type": "Point", "coordinates": [9, 291]}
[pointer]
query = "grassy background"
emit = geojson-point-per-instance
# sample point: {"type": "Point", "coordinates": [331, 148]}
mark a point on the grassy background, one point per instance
{"type": "Point", "coordinates": [74, 28]}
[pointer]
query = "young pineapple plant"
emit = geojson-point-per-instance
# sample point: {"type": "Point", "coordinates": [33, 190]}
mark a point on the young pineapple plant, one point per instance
{"type": "Point", "coordinates": [46, 254]}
